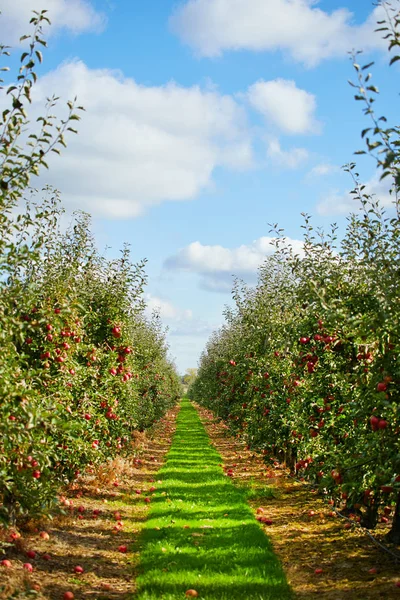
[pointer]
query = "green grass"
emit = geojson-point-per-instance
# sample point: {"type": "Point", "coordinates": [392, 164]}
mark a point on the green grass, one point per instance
{"type": "Point", "coordinates": [224, 554]}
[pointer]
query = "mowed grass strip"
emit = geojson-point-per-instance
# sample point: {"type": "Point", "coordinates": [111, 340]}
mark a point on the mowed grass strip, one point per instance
{"type": "Point", "coordinates": [201, 534]}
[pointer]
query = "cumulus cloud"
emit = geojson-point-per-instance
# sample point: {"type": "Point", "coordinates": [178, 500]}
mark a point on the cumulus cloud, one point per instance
{"type": "Point", "coordinates": [180, 322]}
{"type": "Point", "coordinates": [290, 159]}
{"type": "Point", "coordinates": [299, 28]}
{"type": "Point", "coordinates": [285, 105]}
{"type": "Point", "coordinates": [139, 146]}
{"type": "Point", "coordinates": [323, 169]}
{"type": "Point", "coordinates": [217, 265]}
{"type": "Point", "coordinates": [166, 309]}
{"type": "Point", "coordinates": [337, 203]}
{"type": "Point", "coordinates": [75, 16]}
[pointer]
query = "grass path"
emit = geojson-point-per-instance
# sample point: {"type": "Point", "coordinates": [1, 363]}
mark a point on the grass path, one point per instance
{"type": "Point", "coordinates": [201, 534]}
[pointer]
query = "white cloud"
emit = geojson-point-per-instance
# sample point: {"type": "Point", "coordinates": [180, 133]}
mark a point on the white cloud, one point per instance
{"type": "Point", "coordinates": [285, 105]}
{"type": "Point", "coordinates": [180, 322]}
{"type": "Point", "coordinates": [166, 309]}
{"type": "Point", "coordinates": [187, 334]}
{"type": "Point", "coordinates": [337, 203]}
{"type": "Point", "coordinates": [290, 159]}
{"type": "Point", "coordinates": [305, 32]}
{"type": "Point", "coordinates": [323, 169]}
{"type": "Point", "coordinates": [76, 16]}
{"type": "Point", "coordinates": [139, 146]}
{"type": "Point", "coordinates": [217, 265]}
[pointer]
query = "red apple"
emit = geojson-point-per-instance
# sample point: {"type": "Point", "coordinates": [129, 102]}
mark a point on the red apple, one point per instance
{"type": "Point", "coordinates": [6, 563]}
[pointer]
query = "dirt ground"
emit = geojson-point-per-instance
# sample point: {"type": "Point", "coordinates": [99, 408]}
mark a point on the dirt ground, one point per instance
{"type": "Point", "coordinates": [102, 514]}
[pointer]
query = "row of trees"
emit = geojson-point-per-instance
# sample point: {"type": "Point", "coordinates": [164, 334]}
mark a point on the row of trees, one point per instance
{"type": "Point", "coordinates": [81, 366]}
{"type": "Point", "coordinates": [306, 368]}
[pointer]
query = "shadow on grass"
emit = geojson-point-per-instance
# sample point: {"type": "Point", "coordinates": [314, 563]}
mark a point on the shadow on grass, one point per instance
{"type": "Point", "coordinates": [201, 533]}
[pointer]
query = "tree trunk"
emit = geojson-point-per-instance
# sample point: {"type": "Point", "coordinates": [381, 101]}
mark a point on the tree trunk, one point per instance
{"type": "Point", "coordinates": [370, 518]}
{"type": "Point", "coordinates": [9, 503]}
{"type": "Point", "coordinates": [394, 534]}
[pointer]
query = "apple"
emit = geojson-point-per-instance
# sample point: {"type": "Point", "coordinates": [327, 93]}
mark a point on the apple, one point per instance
{"type": "Point", "coordinates": [374, 422]}
{"type": "Point", "coordinates": [68, 596]}
{"type": "Point", "coordinates": [44, 535]}
{"type": "Point", "coordinates": [78, 569]}
{"type": "Point", "coordinates": [318, 571]}
{"type": "Point", "coordinates": [191, 594]}
{"type": "Point", "coordinates": [31, 554]}
{"type": "Point", "coordinates": [382, 424]}
{"type": "Point", "coordinates": [46, 556]}
{"type": "Point", "coordinates": [381, 387]}
{"type": "Point", "coordinates": [28, 567]}
{"type": "Point", "coordinates": [373, 570]}
{"type": "Point", "coordinates": [123, 549]}
{"type": "Point", "coordinates": [6, 563]}
{"type": "Point", "coordinates": [116, 331]}
{"type": "Point", "coordinates": [384, 520]}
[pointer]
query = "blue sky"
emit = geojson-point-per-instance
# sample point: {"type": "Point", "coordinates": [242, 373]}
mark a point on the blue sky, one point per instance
{"type": "Point", "coordinates": [205, 121]}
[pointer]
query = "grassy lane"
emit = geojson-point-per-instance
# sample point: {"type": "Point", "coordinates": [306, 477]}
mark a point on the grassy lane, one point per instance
{"type": "Point", "coordinates": [201, 534]}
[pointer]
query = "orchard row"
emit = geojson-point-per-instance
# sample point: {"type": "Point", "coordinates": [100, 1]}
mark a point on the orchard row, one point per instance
{"type": "Point", "coordinates": [82, 364]}
{"type": "Point", "coordinates": [307, 369]}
